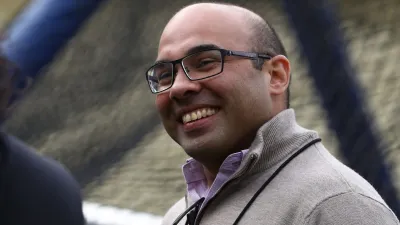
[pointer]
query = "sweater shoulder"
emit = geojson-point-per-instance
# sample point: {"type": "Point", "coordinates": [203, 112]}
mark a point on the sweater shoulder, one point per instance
{"type": "Point", "coordinates": [177, 209]}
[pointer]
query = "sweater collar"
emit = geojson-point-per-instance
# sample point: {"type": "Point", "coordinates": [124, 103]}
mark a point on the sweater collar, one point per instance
{"type": "Point", "coordinates": [275, 141]}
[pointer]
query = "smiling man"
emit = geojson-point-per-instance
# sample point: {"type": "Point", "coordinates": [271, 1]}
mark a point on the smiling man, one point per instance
{"type": "Point", "coordinates": [222, 84]}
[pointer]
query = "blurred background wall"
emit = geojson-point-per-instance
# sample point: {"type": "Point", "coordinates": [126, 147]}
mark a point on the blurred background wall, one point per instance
{"type": "Point", "coordinates": [8, 9]}
{"type": "Point", "coordinates": [92, 110]}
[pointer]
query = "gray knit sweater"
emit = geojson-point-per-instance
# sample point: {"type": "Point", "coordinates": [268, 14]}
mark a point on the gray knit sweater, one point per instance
{"type": "Point", "coordinates": [313, 188]}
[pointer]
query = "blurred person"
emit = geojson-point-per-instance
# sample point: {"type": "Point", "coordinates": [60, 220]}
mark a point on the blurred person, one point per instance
{"type": "Point", "coordinates": [221, 81]}
{"type": "Point", "coordinates": [34, 189]}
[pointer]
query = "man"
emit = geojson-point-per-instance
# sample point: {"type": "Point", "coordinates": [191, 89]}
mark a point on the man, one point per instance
{"type": "Point", "coordinates": [33, 189]}
{"type": "Point", "coordinates": [222, 83]}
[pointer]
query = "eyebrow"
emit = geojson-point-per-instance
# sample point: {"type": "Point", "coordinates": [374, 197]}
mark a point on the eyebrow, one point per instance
{"type": "Point", "coordinates": [198, 48]}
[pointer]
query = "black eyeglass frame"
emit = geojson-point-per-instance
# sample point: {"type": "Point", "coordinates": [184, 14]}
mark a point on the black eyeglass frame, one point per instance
{"type": "Point", "coordinates": [224, 53]}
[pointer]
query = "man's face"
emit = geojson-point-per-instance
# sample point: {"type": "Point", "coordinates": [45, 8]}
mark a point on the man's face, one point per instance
{"type": "Point", "coordinates": [232, 105]}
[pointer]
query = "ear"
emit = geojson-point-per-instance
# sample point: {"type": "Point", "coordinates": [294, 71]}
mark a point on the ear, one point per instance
{"type": "Point", "coordinates": [279, 69]}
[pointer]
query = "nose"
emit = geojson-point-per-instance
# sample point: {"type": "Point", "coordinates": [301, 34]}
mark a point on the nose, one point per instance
{"type": "Point", "coordinates": [183, 87]}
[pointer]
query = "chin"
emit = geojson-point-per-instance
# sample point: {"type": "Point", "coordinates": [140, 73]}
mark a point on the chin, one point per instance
{"type": "Point", "coordinates": [204, 150]}
{"type": "Point", "coordinates": [197, 148]}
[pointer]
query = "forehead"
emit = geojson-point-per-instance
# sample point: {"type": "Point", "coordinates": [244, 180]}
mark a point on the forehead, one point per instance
{"type": "Point", "coordinates": [203, 26]}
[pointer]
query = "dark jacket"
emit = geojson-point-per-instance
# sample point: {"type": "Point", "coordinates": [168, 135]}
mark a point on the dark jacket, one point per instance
{"type": "Point", "coordinates": [35, 189]}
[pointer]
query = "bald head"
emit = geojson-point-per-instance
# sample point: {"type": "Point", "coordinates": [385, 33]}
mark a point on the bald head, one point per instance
{"type": "Point", "coordinates": [251, 29]}
{"type": "Point", "coordinates": [220, 7]}
{"type": "Point", "coordinates": [211, 64]}
{"type": "Point", "coordinates": [217, 15]}
{"type": "Point", "coordinates": [208, 22]}
{"type": "Point", "coordinates": [263, 38]}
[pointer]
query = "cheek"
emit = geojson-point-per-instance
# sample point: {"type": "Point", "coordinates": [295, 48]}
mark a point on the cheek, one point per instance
{"type": "Point", "coordinates": [247, 92]}
{"type": "Point", "coordinates": [163, 106]}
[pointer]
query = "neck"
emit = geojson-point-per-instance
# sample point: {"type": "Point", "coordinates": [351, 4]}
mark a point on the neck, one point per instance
{"type": "Point", "coordinates": [210, 176]}
{"type": "Point", "coordinates": [211, 168]}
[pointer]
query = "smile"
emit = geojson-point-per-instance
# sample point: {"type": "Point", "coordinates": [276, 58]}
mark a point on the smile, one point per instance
{"type": "Point", "coordinates": [198, 114]}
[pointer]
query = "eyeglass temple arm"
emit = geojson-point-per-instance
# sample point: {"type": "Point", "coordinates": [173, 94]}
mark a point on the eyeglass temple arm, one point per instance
{"type": "Point", "coordinates": [249, 55]}
{"type": "Point", "coordinates": [264, 56]}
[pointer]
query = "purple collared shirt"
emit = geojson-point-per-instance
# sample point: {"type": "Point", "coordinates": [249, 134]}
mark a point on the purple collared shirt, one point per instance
{"type": "Point", "coordinates": [196, 180]}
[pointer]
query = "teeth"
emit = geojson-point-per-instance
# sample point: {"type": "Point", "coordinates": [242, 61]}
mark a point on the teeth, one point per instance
{"type": "Point", "coordinates": [198, 114]}
{"type": "Point", "coordinates": [210, 112]}
{"type": "Point", "coordinates": [194, 116]}
{"type": "Point", "coordinates": [203, 112]}
{"type": "Point", "coordinates": [186, 118]}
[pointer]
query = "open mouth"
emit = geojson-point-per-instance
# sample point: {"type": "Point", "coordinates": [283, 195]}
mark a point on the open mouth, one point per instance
{"type": "Point", "coordinates": [198, 114]}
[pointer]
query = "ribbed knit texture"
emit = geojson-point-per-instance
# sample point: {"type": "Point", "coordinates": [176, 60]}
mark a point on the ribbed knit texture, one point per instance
{"type": "Point", "coordinates": [314, 188]}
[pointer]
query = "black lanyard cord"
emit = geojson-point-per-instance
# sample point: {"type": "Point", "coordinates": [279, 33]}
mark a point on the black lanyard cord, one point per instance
{"type": "Point", "coordinates": [272, 177]}
{"type": "Point", "coordinates": [195, 206]}
{"type": "Point", "coordinates": [192, 211]}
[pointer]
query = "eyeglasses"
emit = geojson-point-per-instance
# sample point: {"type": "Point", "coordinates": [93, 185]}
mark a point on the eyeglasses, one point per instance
{"type": "Point", "coordinates": [197, 66]}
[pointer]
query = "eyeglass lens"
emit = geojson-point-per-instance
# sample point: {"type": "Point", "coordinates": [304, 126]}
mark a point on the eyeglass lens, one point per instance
{"type": "Point", "coordinates": [196, 66]}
